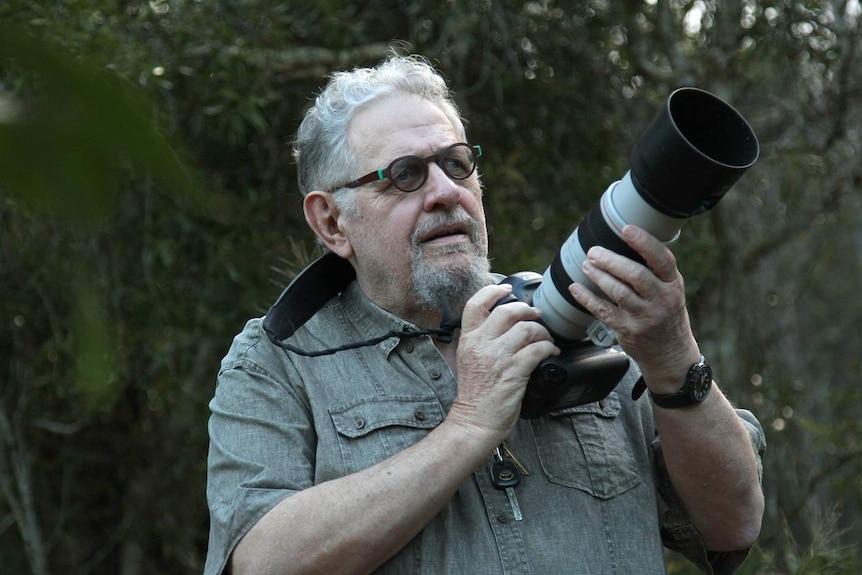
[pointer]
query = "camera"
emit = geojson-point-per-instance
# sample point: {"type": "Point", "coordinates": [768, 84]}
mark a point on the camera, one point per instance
{"type": "Point", "coordinates": [688, 158]}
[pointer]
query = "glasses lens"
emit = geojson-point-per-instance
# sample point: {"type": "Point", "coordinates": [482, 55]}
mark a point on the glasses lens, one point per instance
{"type": "Point", "coordinates": [409, 173]}
{"type": "Point", "coordinates": [458, 161]}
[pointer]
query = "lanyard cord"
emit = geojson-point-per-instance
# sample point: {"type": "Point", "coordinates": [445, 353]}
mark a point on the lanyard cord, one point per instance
{"type": "Point", "coordinates": [445, 333]}
{"type": "Point", "coordinates": [367, 343]}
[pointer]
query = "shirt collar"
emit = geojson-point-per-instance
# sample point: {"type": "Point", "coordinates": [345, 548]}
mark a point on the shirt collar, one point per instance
{"type": "Point", "coordinates": [373, 319]}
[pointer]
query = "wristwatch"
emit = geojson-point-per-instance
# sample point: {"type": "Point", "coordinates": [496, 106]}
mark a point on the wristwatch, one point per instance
{"type": "Point", "coordinates": [698, 382]}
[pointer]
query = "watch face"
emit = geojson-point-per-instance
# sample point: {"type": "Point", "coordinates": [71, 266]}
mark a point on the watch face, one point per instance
{"type": "Point", "coordinates": [697, 384]}
{"type": "Point", "coordinates": [701, 379]}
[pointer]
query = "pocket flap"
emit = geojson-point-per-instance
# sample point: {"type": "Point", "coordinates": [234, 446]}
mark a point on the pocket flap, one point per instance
{"type": "Point", "coordinates": [370, 415]}
{"type": "Point", "coordinates": [607, 407]}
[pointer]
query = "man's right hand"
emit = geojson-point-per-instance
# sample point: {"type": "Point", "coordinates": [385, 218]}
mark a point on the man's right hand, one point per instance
{"type": "Point", "coordinates": [498, 349]}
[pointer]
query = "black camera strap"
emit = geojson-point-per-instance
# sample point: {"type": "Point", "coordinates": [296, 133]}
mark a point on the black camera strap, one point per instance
{"type": "Point", "coordinates": [320, 281]}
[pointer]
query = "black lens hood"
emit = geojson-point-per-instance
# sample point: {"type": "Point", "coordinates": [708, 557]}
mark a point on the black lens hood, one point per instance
{"type": "Point", "coordinates": [692, 153]}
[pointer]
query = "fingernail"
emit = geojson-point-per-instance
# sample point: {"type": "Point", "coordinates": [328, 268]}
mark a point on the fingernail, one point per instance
{"type": "Point", "coordinates": [595, 253]}
{"type": "Point", "coordinates": [630, 232]}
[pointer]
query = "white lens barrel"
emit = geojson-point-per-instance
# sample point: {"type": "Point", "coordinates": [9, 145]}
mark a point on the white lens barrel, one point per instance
{"type": "Point", "coordinates": [558, 315]}
{"type": "Point", "coordinates": [623, 205]}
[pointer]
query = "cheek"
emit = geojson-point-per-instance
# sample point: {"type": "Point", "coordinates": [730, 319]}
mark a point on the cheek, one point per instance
{"type": "Point", "coordinates": [400, 221]}
{"type": "Point", "coordinates": [387, 232]}
{"type": "Point", "coordinates": [473, 196]}
{"type": "Point", "coordinates": [474, 206]}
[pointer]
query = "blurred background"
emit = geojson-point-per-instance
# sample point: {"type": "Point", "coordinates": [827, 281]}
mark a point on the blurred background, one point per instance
{"type": "Point", "coordinates": [148, 208]}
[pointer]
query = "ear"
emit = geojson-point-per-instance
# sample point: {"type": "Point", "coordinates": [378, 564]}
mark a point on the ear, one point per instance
{"type": "Point", "coordinates": [322, 215]}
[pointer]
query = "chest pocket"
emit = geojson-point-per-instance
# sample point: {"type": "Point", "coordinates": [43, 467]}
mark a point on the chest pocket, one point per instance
{"type": "Point", "coordinates": [587, 447]}
{"type": "Point", "coordinates": [373, 430]}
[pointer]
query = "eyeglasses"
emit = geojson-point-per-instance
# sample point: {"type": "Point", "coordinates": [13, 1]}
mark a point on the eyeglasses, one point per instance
{"type": "Point", "coordinates": [409, 173]}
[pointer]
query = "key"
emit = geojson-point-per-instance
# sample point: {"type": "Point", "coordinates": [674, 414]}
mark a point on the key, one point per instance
{"type": "Point", "coordinates": [513, 501]}
{"type": "Point", "coordinates": [505, 476]}
{"type": "Point", "coordinates": [509, 454]}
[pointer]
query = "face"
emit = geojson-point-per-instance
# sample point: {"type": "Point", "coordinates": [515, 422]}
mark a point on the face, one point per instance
{"type": "Point", "coordinates": [412, 249]}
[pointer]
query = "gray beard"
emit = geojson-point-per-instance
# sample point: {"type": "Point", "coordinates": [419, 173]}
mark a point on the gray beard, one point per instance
{"type": "Point", "coordinates": [438, 288]}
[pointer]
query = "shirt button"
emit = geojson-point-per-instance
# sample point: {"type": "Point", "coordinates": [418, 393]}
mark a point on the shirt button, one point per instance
{"type": "Point", "coordinates": [360, 423]}
{"type": "Point", "coordinates": [502, 518]}
{"type": "Point", "coordinates": [435, 374]}
{"type": "Point", "coordinates": [409, 347]}
{"type": "Point", "coordinates": [420, 415]}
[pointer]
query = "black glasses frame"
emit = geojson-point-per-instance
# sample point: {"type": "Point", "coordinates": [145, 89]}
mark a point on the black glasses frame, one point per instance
{"type": "Point", "coordinates": [422, 163]}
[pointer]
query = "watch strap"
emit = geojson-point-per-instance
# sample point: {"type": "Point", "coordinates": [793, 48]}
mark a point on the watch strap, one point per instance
{"type": "Point", "coordinates": [681, 398]}
{"type": "Point", "coordinates": [673, 400]}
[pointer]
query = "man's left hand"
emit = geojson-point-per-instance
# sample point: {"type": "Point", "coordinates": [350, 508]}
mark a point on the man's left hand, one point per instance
{"type": "Point", "coordinates": [645, 306]}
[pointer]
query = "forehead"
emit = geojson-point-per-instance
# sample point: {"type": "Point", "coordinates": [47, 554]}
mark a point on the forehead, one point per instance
{"type": "Point", "coordinates": [397, 125]}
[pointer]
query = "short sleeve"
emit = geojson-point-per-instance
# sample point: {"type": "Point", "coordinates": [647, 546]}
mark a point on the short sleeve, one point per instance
{"type": "Point", "coordinates": [261, 450]}
{"type": "Point", "coordinates": [678, 533]}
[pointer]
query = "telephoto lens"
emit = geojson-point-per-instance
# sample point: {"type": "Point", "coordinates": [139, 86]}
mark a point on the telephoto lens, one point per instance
{"type": "Point", "coordinates": [691, 154]}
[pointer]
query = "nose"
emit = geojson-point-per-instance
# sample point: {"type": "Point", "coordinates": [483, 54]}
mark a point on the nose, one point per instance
{"type": "Point", "coordinates": [440, 190]}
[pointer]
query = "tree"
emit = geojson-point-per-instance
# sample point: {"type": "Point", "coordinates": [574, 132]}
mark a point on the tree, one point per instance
{"type": "Point", "coordinates": [133, 261]}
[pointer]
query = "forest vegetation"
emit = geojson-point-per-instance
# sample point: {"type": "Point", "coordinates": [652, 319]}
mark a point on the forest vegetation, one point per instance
{"type": "Point", "coordinates": [148, 207]}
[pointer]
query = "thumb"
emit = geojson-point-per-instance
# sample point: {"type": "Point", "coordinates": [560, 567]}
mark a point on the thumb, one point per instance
{"type": "Point", "coordinates": [479, 307]}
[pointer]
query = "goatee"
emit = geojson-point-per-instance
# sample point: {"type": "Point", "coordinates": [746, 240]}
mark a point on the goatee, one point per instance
{"type": "Point", "coordinates": [438, 288]}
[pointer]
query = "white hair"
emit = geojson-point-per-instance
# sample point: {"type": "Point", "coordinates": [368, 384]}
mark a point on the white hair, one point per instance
{"type": "Point", "coordinates": [321, 148]}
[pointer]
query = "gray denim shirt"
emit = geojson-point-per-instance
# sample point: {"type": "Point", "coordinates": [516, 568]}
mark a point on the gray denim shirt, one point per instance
{"type": "Point", "coordinates": [597, 499]}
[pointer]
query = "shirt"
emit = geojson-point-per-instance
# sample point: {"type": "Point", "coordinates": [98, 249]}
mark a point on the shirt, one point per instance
{"type": "Point", "coordinates": [597, 499]}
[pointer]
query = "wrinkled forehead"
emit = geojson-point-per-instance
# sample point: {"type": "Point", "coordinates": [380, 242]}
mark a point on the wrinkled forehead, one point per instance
{"type": "Point", "coordinates": [400, 124]}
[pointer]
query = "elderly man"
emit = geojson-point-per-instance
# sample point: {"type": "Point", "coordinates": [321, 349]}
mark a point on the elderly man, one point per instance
{"type": "Point", "coordinates": [385, 456]}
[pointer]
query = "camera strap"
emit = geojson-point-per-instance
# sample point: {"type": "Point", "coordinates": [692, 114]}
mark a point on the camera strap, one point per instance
{"type": "Point", "coordinates": [320, 281]}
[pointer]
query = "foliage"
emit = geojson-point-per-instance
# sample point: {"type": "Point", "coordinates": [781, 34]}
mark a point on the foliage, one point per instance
{"type": "Point", "coordinates": [148, 209]}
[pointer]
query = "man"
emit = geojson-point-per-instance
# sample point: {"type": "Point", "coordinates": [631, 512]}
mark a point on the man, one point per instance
{"type": "Point", "coordinates": [378, 458]}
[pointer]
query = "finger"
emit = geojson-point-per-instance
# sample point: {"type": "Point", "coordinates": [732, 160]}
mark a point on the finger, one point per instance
{"type": "Point", "coordinates": [503, 317]}
{"type": "Point", "coordinates": [525, 332]}
{"type": "Point", "coordinates": [621, 280]}
{"type": "Point", "coordinates": [528, 357]}
{"type": "Point", "coordinates": [640, 278]}
{"type": "Point", "coordinates": [658, 257]}
{"type": "Point", "coordinates": [478, 308]}
{"type": "Point", "coordinates": [508, 357]}
{"type": "Point", "coordinates": [600, 308]}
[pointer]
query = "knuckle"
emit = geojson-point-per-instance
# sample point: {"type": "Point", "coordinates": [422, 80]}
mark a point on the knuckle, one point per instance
{"type": "Point", "coordinates": [640, 275]}
{"type": "Point", "coordinates": [527, 330]}
{"type": "Point", "coordinates": [618, 294]}
{"type": "Point", "coordinates": [602, 311]}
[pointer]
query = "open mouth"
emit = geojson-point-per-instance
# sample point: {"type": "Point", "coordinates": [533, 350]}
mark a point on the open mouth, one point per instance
{"type": "Point", "coordinates": [444, 233]}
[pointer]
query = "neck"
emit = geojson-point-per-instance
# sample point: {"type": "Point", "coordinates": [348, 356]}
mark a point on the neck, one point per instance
{"type": "Point", "coordinates": [411, 309]}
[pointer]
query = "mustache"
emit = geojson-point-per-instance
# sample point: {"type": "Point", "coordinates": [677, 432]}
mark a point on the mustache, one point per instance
{"type": "Point", "coordinates": [456, 217]}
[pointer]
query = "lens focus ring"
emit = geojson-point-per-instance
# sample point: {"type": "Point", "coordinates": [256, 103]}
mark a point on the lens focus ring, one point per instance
{"type": "Point", "coordinates": [595, 231]}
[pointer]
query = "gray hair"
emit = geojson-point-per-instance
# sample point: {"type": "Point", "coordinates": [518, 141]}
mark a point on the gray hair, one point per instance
{"type": "Point", "coordinates": [321, 149]}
